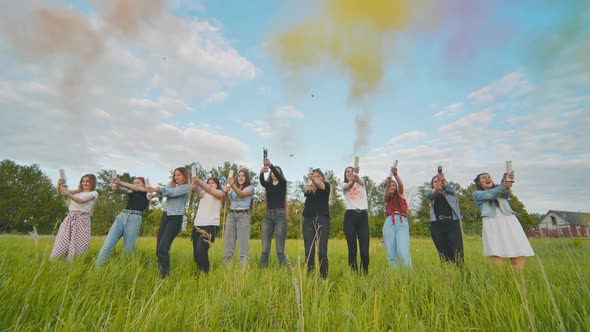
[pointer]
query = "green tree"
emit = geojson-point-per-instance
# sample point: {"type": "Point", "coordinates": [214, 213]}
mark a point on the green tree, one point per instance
{"type": "Point", "coordinates": [27, 199]}
{"type": "Point", "coordinates": [526, 220]}
{"type": "Point", "coordinates": [336, 206]}
{"type": "Point", "coordinates": [420, 218]}
{"type": "Point", "coordinates": [469, 212]}
{"type": "Point", "coordinates": [376, 210]}
{"type": "Point", "coordinates": [295, 218]}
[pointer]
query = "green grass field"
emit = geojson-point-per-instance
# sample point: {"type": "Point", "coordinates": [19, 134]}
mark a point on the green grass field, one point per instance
{"type": "Point", "coordinates": [553, 293]}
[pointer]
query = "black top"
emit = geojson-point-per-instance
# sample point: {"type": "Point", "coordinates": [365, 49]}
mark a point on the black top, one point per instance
{"type": "Point", "coordinates": [442, 209]}
{"type": "Point", "coordinates": [317, 203]}
{"type": "Point", "coordinates": [275, 194]}
{"type": "Point", "coordinates": [137, 201]}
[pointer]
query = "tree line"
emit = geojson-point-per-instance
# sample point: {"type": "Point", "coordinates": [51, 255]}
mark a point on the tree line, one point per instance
{"type": "Point", "coordinates": [28, 199]}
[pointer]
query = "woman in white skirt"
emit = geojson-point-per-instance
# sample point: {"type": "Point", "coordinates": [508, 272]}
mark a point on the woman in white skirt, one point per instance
{"type": "Point", "coordinates": [503, 236]}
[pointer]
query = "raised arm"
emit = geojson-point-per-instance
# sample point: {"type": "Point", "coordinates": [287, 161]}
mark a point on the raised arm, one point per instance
{"type": "Point", "coordinates": [73, 197]}
{"type": "Point", "coordinates": [120, 189]}
{"type": "Point", "coordinates": [217, 193]}
{"type": "Point", "coordinates": [174, 191]}
{"type": "Point", "coordinates": [318, 183]}
{"type": "Point", "coordinates": [278, 174]}
{"type": "Point", "coordinates": [242, 193]}
{"type": "Point", "coordinates": [131, 186]}
{"type": "Point", "coordinates": [490, 194]}
{"type": "Point", "coordinates": [346, 186]}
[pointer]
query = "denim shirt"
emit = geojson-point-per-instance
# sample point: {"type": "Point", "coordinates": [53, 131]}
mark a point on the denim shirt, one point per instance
{"type": "Point", "coordinates": [238, 202]}
{"type": "Point", "coordinates": [484, 198]}
{"type": "Point", "coordinates": [449, 194]}
{"type": "Point", "coordinates": [177, 197]}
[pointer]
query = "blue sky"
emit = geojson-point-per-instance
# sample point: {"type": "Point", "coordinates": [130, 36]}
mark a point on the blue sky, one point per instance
{"type": "Point", "coordinates": [195, 81]}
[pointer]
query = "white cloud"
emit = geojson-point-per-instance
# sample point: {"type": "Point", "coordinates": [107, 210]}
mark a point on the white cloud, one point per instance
{"type": "Point", "coordinates": [286, 111]}
{"type": "Point", "coordinates": [511, 85]}
{"type": "Point", "coordinates": [406, 137]}
{"type": "Point", "coordinates": [544, 138]}
{"type": "Point", "coordinates": [217, 97]}
{"type": "Point", "coordinates": [126, 106]}
{"type": "Point", "coordinates": [450, 110]}
{"type": "Point", "coordinates": [279, 128]}
{"type": "Point", "coordinates": [260, 127]}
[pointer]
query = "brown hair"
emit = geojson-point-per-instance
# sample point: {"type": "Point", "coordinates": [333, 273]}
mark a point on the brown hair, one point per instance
{"type": "Point", "coordinates": [396, 202]}
{"type": "Point", "coordinates": [247, 182]}
{"type": "Point", "coordinates": [184, 172]}
{"type": "Point", "coordinates": [216, 180]}
{"type": "Point", "coordinates": [91, 178]}
{"type": "Point", "coordinates": [476, 180]}
{"type": "Point", "coordinates": [278, 168]}
{"type": "Point", "coordinates": [346, 179]}
{"type": "Point", "coordinates": [317, 170]}
{"type": "Point", "coordinates": [432, 181]}
{"type": "Point", "coordinates": [140, 178]}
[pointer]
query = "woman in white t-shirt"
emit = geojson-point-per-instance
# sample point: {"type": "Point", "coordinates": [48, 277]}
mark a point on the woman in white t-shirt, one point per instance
{"type": "Point", "coordinates": [207, 219]}
{"type": "Point", "coordinates": [73, 236]}
{"type": "Point", "coordinates": [356, 219]}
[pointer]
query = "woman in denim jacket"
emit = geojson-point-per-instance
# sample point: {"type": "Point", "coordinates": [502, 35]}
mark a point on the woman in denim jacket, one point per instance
{"type": "Point", "coordinates": [171, 222]}
{"type": "Point", "coordinates": [445, 227]}
{"type": "Point", "coordinates": [503, 236]}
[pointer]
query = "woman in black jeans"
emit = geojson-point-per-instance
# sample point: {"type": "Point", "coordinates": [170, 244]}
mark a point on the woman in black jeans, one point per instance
{"type": "Point", "coordinates": [316, 221]}
{"type": "Point", "coordinates": [171, 222]}
{"type": "Point", "coordinates": [275, 218]}
{"type": "Point", "coordinates": [211, 199]}
{"type": "Point", "coordinates": [356, 219]}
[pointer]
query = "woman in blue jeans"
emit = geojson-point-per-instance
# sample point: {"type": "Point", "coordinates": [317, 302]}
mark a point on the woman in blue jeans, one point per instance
{"type": "Point", "coordinates": [127, 223]}
{"type": "Point", "coordinates": [237, 227]}
{"type": "Point", "coordinates": [396, 231]}
{"type": "Point", "coordinates": [275, 218]}
{"type": "Point", "coordinates": [177, 195]}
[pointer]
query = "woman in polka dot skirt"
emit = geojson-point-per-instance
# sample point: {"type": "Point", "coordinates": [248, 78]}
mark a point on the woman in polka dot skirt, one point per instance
{"type": "Point", "coordinates": [73, 237]}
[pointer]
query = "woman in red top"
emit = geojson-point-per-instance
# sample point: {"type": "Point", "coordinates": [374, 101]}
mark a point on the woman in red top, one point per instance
{"type": "Point", "coordinates": [396, 231]}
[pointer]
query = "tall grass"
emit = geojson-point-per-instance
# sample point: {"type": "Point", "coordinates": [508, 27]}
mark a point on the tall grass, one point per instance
{"type": "Point", "coordinates": [126, 294]}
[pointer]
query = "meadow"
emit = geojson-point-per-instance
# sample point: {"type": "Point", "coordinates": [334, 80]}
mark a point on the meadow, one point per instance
{"type": "Point", "coordinates": [552, 293]}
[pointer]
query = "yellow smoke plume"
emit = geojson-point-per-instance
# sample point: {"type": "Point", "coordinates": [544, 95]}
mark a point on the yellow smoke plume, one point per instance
{"type": "Point", "coordinates": [354, 36]}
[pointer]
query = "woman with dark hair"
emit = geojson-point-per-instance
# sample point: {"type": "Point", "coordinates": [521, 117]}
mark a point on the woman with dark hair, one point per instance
{"type": "Point", "coordinates": [128, 221]}
{"type": "Point", "coordinates": [445, 227]}
{"type": "Point", "coordinates": [356, 219]}
{"type": "Point", "coordinates": [316, 221]}
{"type": "Point", "coordinates": [238, 220]}
{"type": "Point", "coordinates": [211, 199]}
{"type": "Point", "coordinates": [502, 234]}
{"type": "Point", "coordinates": [170, 224]}
{"type": "Point", "coordinates": [396, 231]}
{"type": "Point", "coordinates": [275, 217]}
{"type": "Point", "coordinates": [73, 236]}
